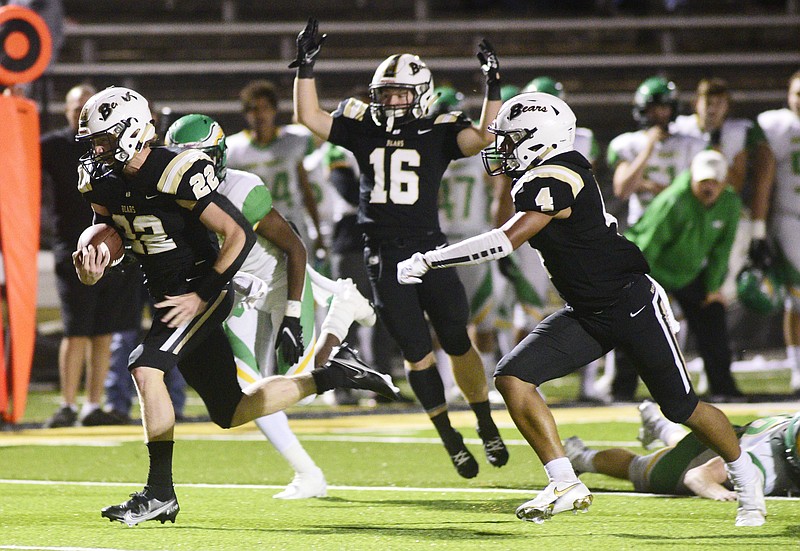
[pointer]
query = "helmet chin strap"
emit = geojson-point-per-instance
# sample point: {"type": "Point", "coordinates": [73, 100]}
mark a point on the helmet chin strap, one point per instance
{"type": "Point", "coordinates": [390, 122]}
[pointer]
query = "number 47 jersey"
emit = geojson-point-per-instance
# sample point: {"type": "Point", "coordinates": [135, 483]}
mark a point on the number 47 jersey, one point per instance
{"type": "Point", "coordinates": [158, 209]}
{"type": "Point", "coordinates": [401, 169]}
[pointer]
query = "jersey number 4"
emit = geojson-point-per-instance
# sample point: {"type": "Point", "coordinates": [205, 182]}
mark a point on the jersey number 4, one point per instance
{"type": "Point", "coordinates": [403, 183]}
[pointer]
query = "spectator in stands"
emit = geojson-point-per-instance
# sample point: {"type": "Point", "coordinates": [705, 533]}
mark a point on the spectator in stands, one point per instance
{"type": "Point", "coordinates": [751, 166]}
{"type": "Point", "coordinates": [643, 163]}
{"type": "Point", "coordinates": [402, 154]}
{"type": "Point", "coordinates": [686, 235]}
{"type": "Point", "coordinates": [90, 314]}
{"type": "Point", "coordinates": [782, 128]}
{"type": "Point", "coordinates": [276, 156]}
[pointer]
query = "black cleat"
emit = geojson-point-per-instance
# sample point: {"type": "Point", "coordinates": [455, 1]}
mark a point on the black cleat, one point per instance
{"type": "Point", "coordinates": [140, 507]}
{"type": "Point", "coordinates": [462, 459]}
{"type": "Point", "coordinates": [64, 417]}
{"type": "Point", "coordinates": [495, 449]}
{"type": "Point", "coordinates": [354, 373]}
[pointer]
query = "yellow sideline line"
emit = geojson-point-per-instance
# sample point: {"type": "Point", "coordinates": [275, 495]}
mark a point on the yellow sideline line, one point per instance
{"type": "Point", "coordinates": [376, 422]}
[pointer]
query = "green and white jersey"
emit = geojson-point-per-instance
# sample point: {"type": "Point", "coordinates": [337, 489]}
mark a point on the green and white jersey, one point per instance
{"type": "Point", "coordinates": [465, 199]}
{"type": "Point", "coordinates": [670, 157]}
{"type": "Point", "coordinates": [782, 128]}
{"type": "Point", "coordinates": [586, 144]}
{"type": "Point", "coordinates": [276, 164]}
{"type": "Point", "coordinates": [757, 441]}
{"type": "Point", "coordinates": [736, 135]}
{"type": "Point", "coordinates": [249, 194]}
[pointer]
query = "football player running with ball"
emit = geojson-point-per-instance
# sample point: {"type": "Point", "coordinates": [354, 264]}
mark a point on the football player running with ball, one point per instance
{"type": "Point", "coordinates": [166, 205]}
{"type": "Point", "coordinates": [611, 302]}
{"type": "Point", "coordinates": [402, 153]}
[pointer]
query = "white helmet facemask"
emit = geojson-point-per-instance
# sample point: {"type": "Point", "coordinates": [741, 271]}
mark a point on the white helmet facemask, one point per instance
{"type": "Point", "coordinates": [529, 129]}
{"type": "Point", "coordinates": [117, 123]}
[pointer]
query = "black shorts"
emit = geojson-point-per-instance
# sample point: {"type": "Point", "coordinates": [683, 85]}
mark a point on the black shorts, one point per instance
{"type": "Point", "coordinates": [638, 323]}
{"type": "Point", "coordinates": [403, 308]}
{"type": "Point", "coordinates": [201, 351]}
{"type": "Point", "coordinates": [112, 304]}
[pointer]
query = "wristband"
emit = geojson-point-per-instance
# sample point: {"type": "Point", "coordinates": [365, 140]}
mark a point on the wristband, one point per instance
{"type": "Point", "coordinates": [210, 286]}
{"type": "Point", "coordinates": [493, 91]}
{"type": "Point", "coordinates": [293, 308]}
{"type": "Point", "coordinates": [305, 70]}
{"type": "Point", "coordinates": [759, 229]}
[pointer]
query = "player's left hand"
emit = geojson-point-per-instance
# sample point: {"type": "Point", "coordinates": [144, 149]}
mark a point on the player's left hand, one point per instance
{"type": "Point", "coordinates": [290, 340]}
{"type": "Point", "coordinates": [309, 43]}
{"type": "Point", "coordinates": [490, 66]}
{"type": "Point", "coordinates": [410, 270]}
{"type": "Point", "coordinates": [182, 308]}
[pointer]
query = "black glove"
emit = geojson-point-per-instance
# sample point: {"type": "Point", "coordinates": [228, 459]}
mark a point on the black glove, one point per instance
{"type": "Point", "coordinates": [507, 268]}
{"type": "Point", "coordinates": [761, 254]}
{"type": "Point", "coordinates": [290, 340]}
{"type": "Point", "coordinates": [308, 46]}
{"type": "Point", "coordinates": [490, 67]}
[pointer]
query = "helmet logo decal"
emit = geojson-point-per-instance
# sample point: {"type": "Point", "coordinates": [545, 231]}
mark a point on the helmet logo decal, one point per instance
{"type": "Point", "coordinates": [106, 109]}
{"type": "Point", "coordinates": [128, 96]}
{"type": "Point", "coordinates": [517, 109]}
{"type": "Point", "coordinates": [415, 68]}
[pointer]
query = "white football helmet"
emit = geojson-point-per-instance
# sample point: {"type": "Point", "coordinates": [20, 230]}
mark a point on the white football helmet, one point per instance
{"type": "Point", "coordinates": [117, 123]}
{"type": "Point", "coordinates": [404, 71]}
{"type": "Point", "coordinates": [530, 128]}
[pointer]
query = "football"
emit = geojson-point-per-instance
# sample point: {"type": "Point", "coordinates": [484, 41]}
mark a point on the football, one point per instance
{"type": "Point", "coordinates": [103, 235]}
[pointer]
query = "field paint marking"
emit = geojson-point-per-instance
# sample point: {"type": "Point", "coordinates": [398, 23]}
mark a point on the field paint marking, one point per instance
{"type": "Point", "coordinates": [41, 548]}
{"type": "Point", "coordinates": [343, 488]}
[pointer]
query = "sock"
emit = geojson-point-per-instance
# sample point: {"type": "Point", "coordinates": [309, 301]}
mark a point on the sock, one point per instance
{"type": "Point", "coordinates": [298, 458]}
{"type": "Point", "coordinates": [489, 361]}
{"type": "Point", "coordinates": [428, 387]}
{"type": "Point", "coordinates": [584, 461]}
{"type": "Point", "coordinates": [276, 428]}
{"type": "Point", "coordinates": [87, 408]}
{"type": "Point", "coordinates": [323, 379]}
{"type": "Point", "coordinates": [793, 355]}
{"type": "Point", "coordinates": [447, 433]}
{"type": "Point", "coordinates": [668, 432]}
{"type": "Point", "coordinates": [486, 427]}
{"type": "Point", "coordinates": [159, 479]}
{"type": "Point", "coordinates": [742, 470]}
{"type": "Point", "coordinates": [560, 470]}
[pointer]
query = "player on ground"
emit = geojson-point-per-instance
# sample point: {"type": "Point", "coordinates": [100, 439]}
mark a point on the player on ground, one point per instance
{"type": "Point", "coordinates": [611, 302]}
{"type": "Point", "coordinates": [166, 205]}
{"type": "Point", "coordinates": [402, 154]}
{"type": "Point", "coordinates": [687, 466]}
{"type": "Point", "coordinates": [278, 262]}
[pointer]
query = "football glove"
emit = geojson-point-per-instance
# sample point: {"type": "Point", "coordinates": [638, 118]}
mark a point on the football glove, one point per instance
{"type": "Point", "coordinates": [761, 254]}
{"type": "Point", "coordinates": [410, 270]}
{"type": "Point", "coordinates": [490, 66]}
{"type": "Point", "coordinates": [290, 340]}
{"type": "Point", "coordinates": [309, 43]}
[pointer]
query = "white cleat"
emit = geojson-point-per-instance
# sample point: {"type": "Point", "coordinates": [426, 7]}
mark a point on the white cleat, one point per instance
{"type": "Point", "coordinates": [364, 312]}
{"type": "Point", "coordinates": [556, 498]}
{"type": "Point", "coordinates": [647, 432]}
{"type": "Point", "coordinates": [304, 486]}
{"type": "Point", "coordinates": [752, 509]}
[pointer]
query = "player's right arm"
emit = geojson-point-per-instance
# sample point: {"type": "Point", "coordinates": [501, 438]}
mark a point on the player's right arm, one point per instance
{"type": "Point", "coordinates": [629, 177]}
{"type": "Point", "coordinates": [90, 263]}
{"type": "Point", "coordinates": [274, 227]}
{"type": "Point", "coordinates": [307, 110]}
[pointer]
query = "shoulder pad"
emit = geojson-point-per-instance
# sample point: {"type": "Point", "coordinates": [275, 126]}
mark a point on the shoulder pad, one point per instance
{"type": "Point", "coordinates": [556, 172]}
{"type": "Point", "coordinates": [180, 165]}
{"type": "Point", "coordinates": [352, 108]}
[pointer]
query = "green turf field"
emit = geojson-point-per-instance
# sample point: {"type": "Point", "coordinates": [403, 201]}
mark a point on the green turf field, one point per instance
{"type": "Point", "coordinates": [391, 487]}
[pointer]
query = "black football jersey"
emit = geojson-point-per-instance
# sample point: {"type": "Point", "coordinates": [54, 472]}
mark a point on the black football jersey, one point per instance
{"type": "Point", "coordinates": [401, 170]}
{"type": "Point", "coordinates": [588, 260]}
{"type": "Point", "coordinates": [173, 246]}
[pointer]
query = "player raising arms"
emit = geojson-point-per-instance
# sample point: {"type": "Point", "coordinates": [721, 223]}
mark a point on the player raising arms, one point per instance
{"type": "Point", "coordinates": [402, 154]}
{"type": "Point", "coordinates": [611, 302]}
{"type": "Point", "coordinates": [166, 205]}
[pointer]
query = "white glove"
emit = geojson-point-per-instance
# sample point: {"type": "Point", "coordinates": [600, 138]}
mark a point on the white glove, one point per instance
{"type": "Point", "coordinates": [412, 269]}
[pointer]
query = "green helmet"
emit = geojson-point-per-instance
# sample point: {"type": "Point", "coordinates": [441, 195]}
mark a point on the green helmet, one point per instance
{"type": "Point", "coordinates": [654, 90]}
{"type": "Point", "coordinates": [790, 444]}
{"type": "Point", "coordinates": [447, 99]}
{"type": "Point", "coordinates": [508, 91]}
{"type": "Point", "coordinates": [759, 290]}
{"type": "Point", "coordinates": [203, 133]}
{"type": "Point", "coordinates": [546, 85]}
